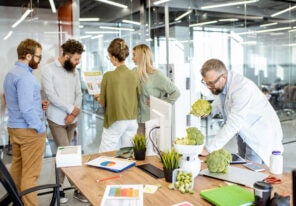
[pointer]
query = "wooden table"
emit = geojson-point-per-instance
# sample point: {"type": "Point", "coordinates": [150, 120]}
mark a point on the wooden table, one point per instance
{"type": "Point", "coordinates": [84, 178]}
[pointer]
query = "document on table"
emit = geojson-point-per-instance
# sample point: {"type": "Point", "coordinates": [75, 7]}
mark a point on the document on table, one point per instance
{"type": "Point", "coordinates": [93, 82]}
{"type": "Point", "coordinates": [118, 195]}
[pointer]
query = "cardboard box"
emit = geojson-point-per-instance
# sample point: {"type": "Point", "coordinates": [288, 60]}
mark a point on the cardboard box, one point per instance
{"type": "Point", "coordinates": [69, 156]}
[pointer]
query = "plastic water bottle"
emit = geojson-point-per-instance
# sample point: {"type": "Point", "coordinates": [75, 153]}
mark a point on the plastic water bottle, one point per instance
{"type": "Point", "coordinates": [276, 163]}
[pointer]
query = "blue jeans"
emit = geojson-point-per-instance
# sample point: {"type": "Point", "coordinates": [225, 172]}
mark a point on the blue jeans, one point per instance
{"type": "Point", "coordinates": [245, 151]}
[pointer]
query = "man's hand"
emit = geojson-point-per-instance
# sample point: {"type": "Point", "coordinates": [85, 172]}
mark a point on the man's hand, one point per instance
{"type": "Point", "coordinates": [75, 112]}
{"type": "Point", "coordinates": [45, 104]}
{"type": "Point", "coordinates": [69, 119]}
{"type": "Point", "coordinates": [204, 152]}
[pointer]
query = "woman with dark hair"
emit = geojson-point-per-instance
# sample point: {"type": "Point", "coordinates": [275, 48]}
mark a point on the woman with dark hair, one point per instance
{"type": "Point", "coordinates": [119, 91]}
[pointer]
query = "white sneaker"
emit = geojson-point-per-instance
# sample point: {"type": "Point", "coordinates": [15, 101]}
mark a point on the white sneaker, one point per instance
{"type": "Point", "coordinates": [63, 199]}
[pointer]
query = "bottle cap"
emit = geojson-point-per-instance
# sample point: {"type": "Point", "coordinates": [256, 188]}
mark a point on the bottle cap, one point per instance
{"type": "Point", "coordinates": [276, 152]}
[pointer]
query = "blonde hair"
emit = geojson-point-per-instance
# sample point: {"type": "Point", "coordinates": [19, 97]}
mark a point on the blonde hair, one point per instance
{"type": "Point", "coordinates": [145, 64]}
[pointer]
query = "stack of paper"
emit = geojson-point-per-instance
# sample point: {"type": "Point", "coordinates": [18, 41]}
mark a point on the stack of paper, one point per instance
{"type": "Point", "coordinates": [68, 156]}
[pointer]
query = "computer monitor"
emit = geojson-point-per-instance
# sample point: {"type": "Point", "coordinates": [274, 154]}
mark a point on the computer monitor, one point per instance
{"type": "Point", "coordinates": [161, 115]}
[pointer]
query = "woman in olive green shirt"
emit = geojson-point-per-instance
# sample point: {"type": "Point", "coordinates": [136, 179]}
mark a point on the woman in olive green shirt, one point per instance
{"type": "Point", "coordinates": [119, 91]}
{"type": "Point", "coordinates": [152, 82]}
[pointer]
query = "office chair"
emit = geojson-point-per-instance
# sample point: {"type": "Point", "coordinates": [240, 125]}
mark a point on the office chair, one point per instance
{"type": "Point", "coordinates": [13, 196]}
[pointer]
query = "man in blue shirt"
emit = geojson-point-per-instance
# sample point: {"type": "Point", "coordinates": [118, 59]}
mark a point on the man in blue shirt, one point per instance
{"type": "Point", "coordinates": [25, 118]}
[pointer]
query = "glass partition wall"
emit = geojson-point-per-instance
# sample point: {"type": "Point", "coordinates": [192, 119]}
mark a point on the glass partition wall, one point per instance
{"type": "Point", "coordinates": [251, 39]}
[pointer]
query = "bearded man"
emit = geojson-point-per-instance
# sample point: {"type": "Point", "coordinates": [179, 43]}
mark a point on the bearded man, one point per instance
{"type": "Point", "coordinates": [61, 85]}
{"type": "Point", "coordinates": [247, 113]}
{"type": "Point", "coordinates": [25, 119]}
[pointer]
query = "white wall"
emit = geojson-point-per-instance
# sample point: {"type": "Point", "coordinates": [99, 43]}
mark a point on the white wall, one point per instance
{"type": "Point", "coordinates": [34, 27]}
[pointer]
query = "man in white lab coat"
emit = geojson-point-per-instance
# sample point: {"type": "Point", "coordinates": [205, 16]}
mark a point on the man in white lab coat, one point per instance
{"type": "Point", "coordinates": [247, 113]}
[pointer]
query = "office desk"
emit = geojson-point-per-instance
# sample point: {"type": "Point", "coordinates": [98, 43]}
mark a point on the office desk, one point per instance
{"type": "Point", "coordinates": [84, 178]}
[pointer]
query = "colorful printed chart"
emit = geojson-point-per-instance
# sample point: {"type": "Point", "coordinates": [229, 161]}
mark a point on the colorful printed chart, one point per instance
{"type": "Point", "coordinates": [107, 163]}
{"type": "Point", "coordinates": [111, 163]}
{"type": "Point", "coordinates": [119, 195]}
{"type": "Point", "coordinates": [123, 192]}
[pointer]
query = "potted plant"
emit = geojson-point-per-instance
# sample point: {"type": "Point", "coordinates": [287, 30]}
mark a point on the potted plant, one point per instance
{"type": "Point", "coordinates": [170, 160]}
{"type": "Point", "coordinates": [139, 143]}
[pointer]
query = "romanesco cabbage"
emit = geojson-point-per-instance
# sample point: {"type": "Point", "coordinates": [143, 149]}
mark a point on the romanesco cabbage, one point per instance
{"type": "Point", "coordinates": [218, 161]}
{"type": "Point", "coordinates": [194, 137]}
{"type": "Point", "coordinates": [201, 107]}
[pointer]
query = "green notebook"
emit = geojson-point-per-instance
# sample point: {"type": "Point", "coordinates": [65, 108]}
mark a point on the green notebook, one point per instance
{"type": "Point", "coordinates": [231, 195]}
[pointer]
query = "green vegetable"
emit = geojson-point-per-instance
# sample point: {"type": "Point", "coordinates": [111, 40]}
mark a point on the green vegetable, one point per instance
{"type": "Point", "coordinates": [183, 182]}
{"type": "Point", "coordinates": [139, 142]}
{"type": "Point", "coordinates": [194, 137]}
{"type": "Point", "coordinates": [171, 186]}
{"type": "Point", "coordinates": [201, 108]}
{"type": "Point", "coordinates": [218, 161]}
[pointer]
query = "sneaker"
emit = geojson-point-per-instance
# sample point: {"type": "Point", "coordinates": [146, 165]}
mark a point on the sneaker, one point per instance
{"type": "Point", "coordinates": [79, 196]}
{"type": "Point", "coordinates": [63, 199]}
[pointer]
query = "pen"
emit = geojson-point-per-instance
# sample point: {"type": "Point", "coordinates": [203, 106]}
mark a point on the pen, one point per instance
{"type": "Point", "coordinates": [108, 178]}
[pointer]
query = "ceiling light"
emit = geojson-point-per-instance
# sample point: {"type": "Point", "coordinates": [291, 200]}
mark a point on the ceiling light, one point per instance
{"type": "Point", "coordinates": [131, 22]}
{"type": "Point", "coordinates": [269, 24]}
{"type": "Point", "coordinates": [113, 3]}
{"type": "Point", "coordinates": [293, 30]}
{"type": "Point", "coordinates": [265, 31]}
{"type": "Point", "coordinates": [98, 36]}
{"type": "Point", "coordinates": [160, 2]}
{"type": "Point", "coordinates": [248, 42]}
{"type": "Point", "coordinates": [228, 4]}
{"type": "Point", "coordinates": [52, 5]}
{"type": "Point", "coordinates": [116, 28]}
{"type": "Point", "coordinates": [85, 37]}
{"type": "Point", "coordinates": [27, 12]}
{"type": "Point", "coordinates": [203, 23]}
{"type": "Point", "coordinates": [89, 19]}
{"type": "Point", "coordinates": [183, 15]}
{"type": "Point", "coordinates": [8, 35]}
{"type": "Point", "coordinates": [283, 11]}
{"type": "Point", "coordinates": [225, 20]}
{"type": "Point", "coordinates": [101, 32]}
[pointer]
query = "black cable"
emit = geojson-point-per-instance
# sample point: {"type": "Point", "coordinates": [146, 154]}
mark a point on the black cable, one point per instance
{"type": "Point", "coordinates": [153, 143]}
{"type": "Point", "coordinates": [290, 142]}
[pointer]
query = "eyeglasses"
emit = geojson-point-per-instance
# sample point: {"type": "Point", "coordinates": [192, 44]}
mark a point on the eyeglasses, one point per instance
{"type": "Point", "coordinates": [211, 84]}
{"type": "Point", "coordinates": [39, 56]}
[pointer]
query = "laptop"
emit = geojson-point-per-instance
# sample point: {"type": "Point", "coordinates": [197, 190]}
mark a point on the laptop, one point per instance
{"type": "Point", "coordinates": [237, 175]}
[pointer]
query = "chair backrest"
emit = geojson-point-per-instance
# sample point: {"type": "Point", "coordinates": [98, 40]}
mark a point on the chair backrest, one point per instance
{"type": "Point", "coordinates": [9, 185]}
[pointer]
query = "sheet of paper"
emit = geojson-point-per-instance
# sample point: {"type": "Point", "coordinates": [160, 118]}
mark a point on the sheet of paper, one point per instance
{"type": "Point", "coordinates": [150, 189]}
{"type": "Point", "coordinates": [119, 195]}
{"type": "Point", "coordinates": [183, 204]}
{"type": "Point", "coordinates": [93, 82]}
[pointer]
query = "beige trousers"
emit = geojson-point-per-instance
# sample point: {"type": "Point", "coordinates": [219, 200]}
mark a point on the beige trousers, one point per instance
{"type": "Point", "coordinates": [62, 136]}
{"type": "Point", "coordinates": [27, 154]}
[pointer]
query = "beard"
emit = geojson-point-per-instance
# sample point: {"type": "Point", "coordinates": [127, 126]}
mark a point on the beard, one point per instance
{"type": "Point", "coordinates": [216, 91]}
{"type": "Point", "coordinates": [33, 64]}
{"type": "Point", "coordinates": [69, 66]}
